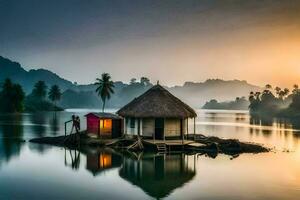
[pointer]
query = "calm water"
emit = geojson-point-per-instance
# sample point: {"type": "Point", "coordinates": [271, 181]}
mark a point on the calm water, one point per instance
{"type": "Point", "coordinates": [30, 171]}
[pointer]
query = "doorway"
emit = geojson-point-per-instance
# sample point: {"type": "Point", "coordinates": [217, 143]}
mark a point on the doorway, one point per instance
{"type": "Point", "coordinates": [159, 128]}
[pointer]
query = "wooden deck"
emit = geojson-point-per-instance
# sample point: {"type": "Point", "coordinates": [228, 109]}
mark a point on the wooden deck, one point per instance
{"type": "Point", "coordinates": [169, 142]}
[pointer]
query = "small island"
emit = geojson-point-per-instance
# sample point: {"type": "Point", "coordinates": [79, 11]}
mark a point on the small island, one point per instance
{"type": "Point", "coordinates": [154, 121]}
{"type": "Point", "coordinates": [240, 103]}
{"type": "Point", "coordinates": [275, 102]}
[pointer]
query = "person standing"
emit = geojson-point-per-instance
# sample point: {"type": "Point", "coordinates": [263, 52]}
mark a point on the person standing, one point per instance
{"type": "Point", "coordinates": [73, 123]}
{"type": "Point", "coordinates": [78, 123]}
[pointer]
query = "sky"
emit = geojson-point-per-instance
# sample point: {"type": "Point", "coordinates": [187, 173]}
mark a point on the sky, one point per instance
{"type": "Point", "coordinates": [172, 41]}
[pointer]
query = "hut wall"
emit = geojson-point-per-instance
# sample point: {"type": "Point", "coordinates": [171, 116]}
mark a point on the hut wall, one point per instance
{"type": "Point", "coordinates": [131, 126]}
{"type": "Point", "coordinates": [184, 125]}
{"type": "Point", "coordinates": [148, 127]}
{"type": "Point", "coordinates": [92, 124]}
{"type": "Point", "coordinates": [172, 127]}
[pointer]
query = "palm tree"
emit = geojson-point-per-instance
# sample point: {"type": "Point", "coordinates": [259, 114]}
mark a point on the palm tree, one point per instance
{"type": "Point", "coordinates": [281, 94]}
{"type": "Point", "coordinates": [40, 90]}
{"type": "Point", "coordinates": [145, 81]}
{"type": "Point", "coordinates": [277, 89]}
{"type": "Point", "coordinates": [286, 91]}
{"type": "Point", "coordinates": [296, 89]}
{"type": "Point", "coordinates": [104, 88]}
{"type": "Point", "coordinates": [257, 95]}
{"type": "Point", "coordinates": [268, 86]}
{"type": "Point", "coordinates": [54, 94]}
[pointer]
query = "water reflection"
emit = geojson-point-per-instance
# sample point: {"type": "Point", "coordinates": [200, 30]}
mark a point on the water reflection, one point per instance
{"type": "Point", "coordinates": [267, 125]}
{"type": "Point", "coordinates": [158, 175]}
{"type": "Point", "coordinates": [92, 173]}
{"type": "Point", "coordinates": [72, 158]}
{"type": "Point", "coordinates": [39, 121]}
{"type": "Point", "coordinates": [11, 138]}
{"type": "Point", "coordinates": [54, 123]}
{"type": "Point", "coordinates": [99, 162]}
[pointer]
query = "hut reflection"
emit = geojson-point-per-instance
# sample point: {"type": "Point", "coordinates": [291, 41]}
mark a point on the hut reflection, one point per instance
{"type": "Point", "coordinates": [158, 175]}
{"type": "Point", "coordinates": [102, 161]}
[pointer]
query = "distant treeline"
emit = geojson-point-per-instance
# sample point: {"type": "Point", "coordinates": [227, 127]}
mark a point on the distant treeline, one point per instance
{"type": "Point", "coordinates": [75, 95]}
{"type": "Point", "coordinates": [13, 98]}
{"type": "Point", "coordinates": [275, 102]}
{"type": "Point", "coordinates": [240, 103]}
{"type": "Point", "coordinates": [86, 97]}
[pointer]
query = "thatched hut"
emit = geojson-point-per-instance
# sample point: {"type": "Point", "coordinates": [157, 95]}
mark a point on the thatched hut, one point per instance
{"type": "Point", "coordinates": [157, 114]}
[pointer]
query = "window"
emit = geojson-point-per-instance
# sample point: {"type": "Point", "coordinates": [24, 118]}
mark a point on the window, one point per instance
{"type": "Point", "coordinates": [132, 122]}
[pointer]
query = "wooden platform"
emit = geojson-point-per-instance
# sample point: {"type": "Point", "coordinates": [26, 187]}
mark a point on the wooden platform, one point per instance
{"type": "Point", "coordinates": [169, 142]}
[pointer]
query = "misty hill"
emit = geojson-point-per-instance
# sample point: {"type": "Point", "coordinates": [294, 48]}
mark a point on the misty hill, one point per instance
{"type": "Point", "coordinates": [83, 96]}
{"type": "Point", "coordinates": [197, 94]}
{"type": "Point", "coordinates": [14, 71]}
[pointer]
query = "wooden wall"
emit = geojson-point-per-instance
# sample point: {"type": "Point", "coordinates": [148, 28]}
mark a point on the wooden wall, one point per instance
{"type": "Point", "coordinates": [92, 124]}
{"type": "Point", "coordinates": [148, 127]}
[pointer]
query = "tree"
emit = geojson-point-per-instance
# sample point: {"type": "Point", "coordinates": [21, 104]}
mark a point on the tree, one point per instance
{"type": "Point", "coordinates": [286, 91]}
{"type": "Point", "coordinates": [40, 90]}
{"type": "Point", "coordinates": [18, 97]}
{"type": "Point", "coordinates": [251, 96]}
{"type": "Point", "coordinates": [296, 89]}
{"type": "Point", "coordinates": [132, 81]}
{"type": "Point", "coordinates": [11, 97]}
{"type": "Point", "coordinates": [277, 89]}
{"type": "Point", "coordinates": [104, 88]}
{"type": "Point", "coordinates": [281, 94]}
{"type": "Point", "coordinates": [268, 86]}
{"type": "Point", "coordinates": [145, 81]}
{"type": "Point", "coordinates": [257, 95]}
{"type": "Point", "coordinates": [54, 94]}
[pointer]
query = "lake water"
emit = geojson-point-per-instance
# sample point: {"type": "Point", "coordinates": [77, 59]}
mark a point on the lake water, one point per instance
{"type": "Point", "coordinates": [31, 171]}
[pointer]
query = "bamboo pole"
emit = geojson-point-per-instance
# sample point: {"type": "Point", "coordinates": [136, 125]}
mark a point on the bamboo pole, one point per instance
{"type": "Point", "coordinates": [164, 130]}
{"type": "Point", "coordinates": [194, 128]}
{"type": "Point", "coordinates": [187, 128]}
{"type": "Point", "coordinates": [181, 130]}
{"type": "Point", "coordinates": [139, 127]}
{"type": "Point", "coordinates": [99, 128]}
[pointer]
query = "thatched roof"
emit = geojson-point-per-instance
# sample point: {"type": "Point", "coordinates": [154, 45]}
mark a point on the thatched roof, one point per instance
{"type": "Point", "coordinates": [104, 115]}
{"type": "Point", "coordinates": [157, 102]}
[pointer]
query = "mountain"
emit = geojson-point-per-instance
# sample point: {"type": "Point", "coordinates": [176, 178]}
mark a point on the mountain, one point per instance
{"type": "Point", "coordinates": [84, 96]}
{"type": "Point", "coordinates": [196, 94]}
{"type": "Point", "coordinates": [14, 71]}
